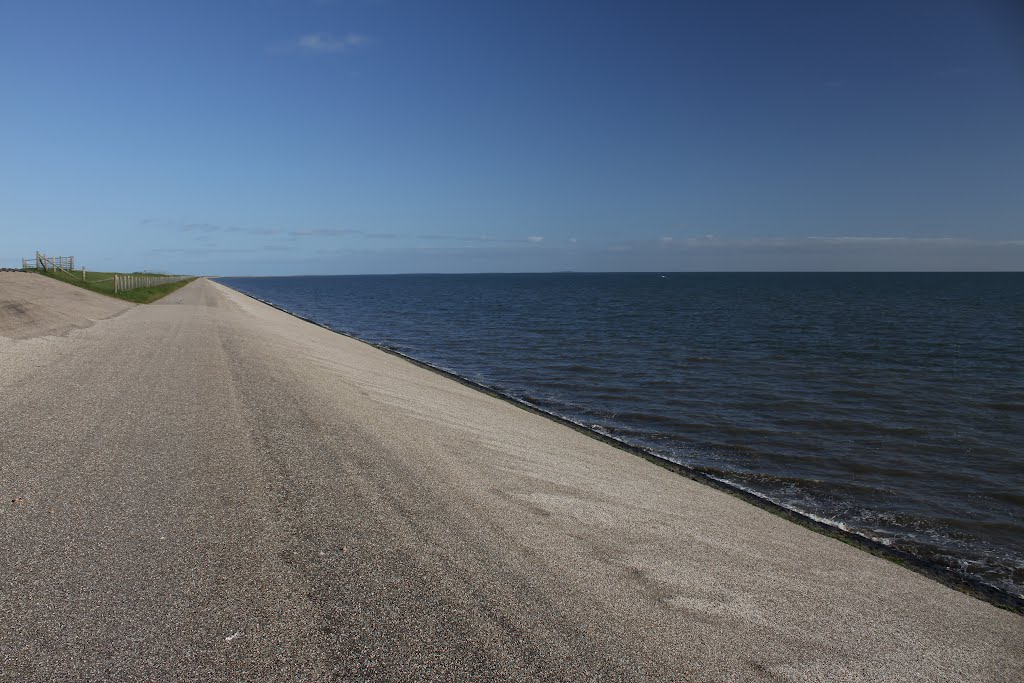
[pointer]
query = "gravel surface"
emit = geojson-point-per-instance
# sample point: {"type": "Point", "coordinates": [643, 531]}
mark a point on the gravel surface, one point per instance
{"type": "Point", "coordinates": [208, 489]}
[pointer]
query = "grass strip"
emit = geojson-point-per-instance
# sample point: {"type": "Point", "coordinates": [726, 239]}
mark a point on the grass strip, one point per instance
{"type": "Point", "coordinates": [103, 283]}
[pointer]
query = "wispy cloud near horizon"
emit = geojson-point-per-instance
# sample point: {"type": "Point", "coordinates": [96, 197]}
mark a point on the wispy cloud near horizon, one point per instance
{"type": "Point", "coordinates": [205, 231]}
{"type": "Point", "coordinates": [207, 228]}
{"type": "Point", "coordinates": [482, 238]}
{"type": "Point", "coordinates": [687, 249]}
{"type": "Point", "coordinates": [814, 241]}
{"type": "Point", "coordinates": [324, 232]}
{"type": "Point", "coordinates": [827, 253]}
{"type": "Point", "coordinates": [211, 251]}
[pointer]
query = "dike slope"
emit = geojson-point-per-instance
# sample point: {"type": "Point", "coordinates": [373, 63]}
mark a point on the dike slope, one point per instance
{"type": "Point", "coordinates": [33, 305]}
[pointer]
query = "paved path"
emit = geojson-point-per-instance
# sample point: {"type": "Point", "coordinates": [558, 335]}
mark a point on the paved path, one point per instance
{"type": "Point", "coordinates": [209, 489]}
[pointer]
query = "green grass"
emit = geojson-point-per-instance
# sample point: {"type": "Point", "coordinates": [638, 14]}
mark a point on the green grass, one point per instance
{"type": "Point", "coordinates": [104, 284]}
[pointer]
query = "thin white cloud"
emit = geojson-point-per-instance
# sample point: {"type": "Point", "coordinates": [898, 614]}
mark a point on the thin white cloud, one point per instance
{"type": "Point", "coordinates": [324, 232]}
{"type": "Point", "coordinates": [481, 238]}
{"type": "Point", "coordinates": [815, 242]}
{"type": "Point", "coordinates": [208, 251]}
{"type": "Point", "coordinates": [342, 232]}
{"type": "Point", "coordinates": [253, 231]}
{"type": "Point", "coordinates": [200, 227]}
{"type": "Point", "coordinates": [325, 42]}
{"type": "Point", "coordinates": [206, 228]}
{"type": "Point", "coordinates": [898, 239]}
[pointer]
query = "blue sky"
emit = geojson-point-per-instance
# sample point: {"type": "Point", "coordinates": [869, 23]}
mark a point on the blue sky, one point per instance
{"type": "Point", "coordinates": [292, 136]}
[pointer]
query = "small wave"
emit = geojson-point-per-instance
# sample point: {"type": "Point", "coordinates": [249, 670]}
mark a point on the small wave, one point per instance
{"type": "Point", "coordinates": [582, 369]}
{"type": "Point", "coordinates": [821, 519]}
{"type": "Point", "coordinates": [1007, 407]}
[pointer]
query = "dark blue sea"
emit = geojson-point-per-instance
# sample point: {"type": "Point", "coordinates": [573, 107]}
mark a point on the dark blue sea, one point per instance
{"type": "Point", "coordinates": [889, 405]}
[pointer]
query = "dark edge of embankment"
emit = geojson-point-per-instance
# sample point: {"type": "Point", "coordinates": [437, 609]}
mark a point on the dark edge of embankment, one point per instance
{"type": "Point", "coordinates": [972, 587]}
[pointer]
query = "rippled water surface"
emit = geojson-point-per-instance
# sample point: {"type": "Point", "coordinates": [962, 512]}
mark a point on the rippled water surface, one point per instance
{"type": "Point", "coordinates": [889, 404]}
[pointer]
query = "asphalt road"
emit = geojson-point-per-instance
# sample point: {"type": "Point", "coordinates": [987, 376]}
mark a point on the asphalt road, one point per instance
{"type": "Point", "coordinates": [209, 489]}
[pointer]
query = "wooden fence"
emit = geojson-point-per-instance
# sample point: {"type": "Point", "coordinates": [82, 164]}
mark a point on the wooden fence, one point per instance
{"type": "Point", "coordinates": [123, 283]}
{"type": "Point", "coordinates": [44, 262]}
